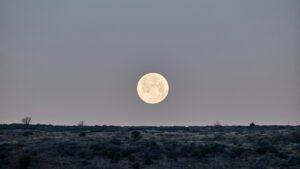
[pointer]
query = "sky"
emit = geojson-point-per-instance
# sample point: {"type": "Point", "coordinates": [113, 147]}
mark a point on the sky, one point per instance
{"type": "Point", "coordinates": [230, 61]}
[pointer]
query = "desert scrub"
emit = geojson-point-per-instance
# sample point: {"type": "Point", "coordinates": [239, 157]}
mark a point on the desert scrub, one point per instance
{"type": "Point", "coordinates": [136, 165]}
{"type": "Point", "coordinates": [294, 159]}
{"type": "Point", "coordinates": [68, 149]}
{"type": "Point", "coordinates": [24, 161]}
{"type": "Point", "coordinates": [128, 151]}
{"type": "Point", "coordinates": [236, 151]}
{"type": "Point", "coordinates": [27, 133]}
{"type": "Point", "coordinates": [5, 150]}
{"type": "Point", "coordinates": [147, 159]}
{"type": "Point", "coordinates": [202, 151]}
{"type": "Point", "coordinates": [263, 147]}
{"type": "Point", "coordinates": [136, 135]}
{"type": "Point", "coordinates": [113, 152]}
{"type": "Point", "coordinates": [115, 141]}
{"type": "Point", "coordinates": [82, 134]}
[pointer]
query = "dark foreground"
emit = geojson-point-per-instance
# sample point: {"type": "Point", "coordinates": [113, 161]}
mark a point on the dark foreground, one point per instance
{"type": "Point", "coordinates": [110, 147]}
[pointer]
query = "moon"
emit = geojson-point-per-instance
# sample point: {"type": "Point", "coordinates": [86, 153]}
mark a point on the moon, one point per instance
{"type": "Point", "coordinates": [152, 88]}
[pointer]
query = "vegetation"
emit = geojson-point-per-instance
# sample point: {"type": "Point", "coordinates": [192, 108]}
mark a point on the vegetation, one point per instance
{"type": "Point", "coordinates": [230, 147]}
{"type": "Point", "coordinates": [81, 123]}
{"type": "Point", "coordinates": [136, 135]}
{"type": "Point", "coordinates": [26, 120]}
{"type": "Point", "coordinates": [24, 161]}
{"type": "Point", "coordinates": [82, 134]}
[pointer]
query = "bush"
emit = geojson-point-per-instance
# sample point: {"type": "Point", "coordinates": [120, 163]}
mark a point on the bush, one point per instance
{"type": "Point", "coordinates": [172, 155]}
{"type": "Point", "coordinates": [136, 165]}
{"type": "Point", "coordinates": [24, 161]}
{"type": "Point", "coordinates": [84, 155]}
{"type": "Point", "coordinates": [295, 136]}
{"type": "Point", "coordinates": [132, 158]}
{"type": "Point", "coordinates": [128, 152]}
{"type": "Point", "coordinates": [84, 163]}
{"type": "Point", "coordinates": [97, 147]}
{"type": "Point", "coordinates": [259, 164]}
{"type": "Point", "coordinates": [70, 149]}
{"type": "Point", "coordinates": [203, 150]}
{"type": "Point", "coordinates": [4, 150]}
{"type": "Point", "coordinates": [236, 151]}
{"type": "Point", "coordinates": [27, 133]}
{"type": "Point", "coordinates": [82, 134]}
{"type": "Point", "coordinates": [219, 162]}
{"type": "Point", "coordinates": [115, 141]}
{"type": "Point", "coordinates": [294, 160]}
{"type": "Point", "coordinates": [263, 147]}
{"type": "Point", "coordinates": [185, 151]}
{"type": "Point", "coordinates": [136, 135]}
{"type": "Point", "coordinates": [113, 153]}
{"type": "Point", "coordinates": [147, 159]}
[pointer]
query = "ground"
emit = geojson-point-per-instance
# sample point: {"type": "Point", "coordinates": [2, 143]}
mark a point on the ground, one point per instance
{"type": "Point", "coordinates": [112, 147]}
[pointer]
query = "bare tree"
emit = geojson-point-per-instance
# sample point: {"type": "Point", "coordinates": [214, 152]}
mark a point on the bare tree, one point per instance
{"type": "Point", "coordinates": [81, 123]}
{"type": "Point", "coordinates": [217, 124]}
{"type": "Point", "coordinates": [26, 120]}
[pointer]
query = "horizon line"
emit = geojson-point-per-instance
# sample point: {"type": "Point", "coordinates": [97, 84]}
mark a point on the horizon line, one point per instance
{"type": "Point", "coordinates": [105, 125]}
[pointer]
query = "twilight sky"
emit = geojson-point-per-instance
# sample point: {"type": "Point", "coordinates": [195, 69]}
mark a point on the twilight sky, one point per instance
{"type": "Point", "coordinates": [234, 61]}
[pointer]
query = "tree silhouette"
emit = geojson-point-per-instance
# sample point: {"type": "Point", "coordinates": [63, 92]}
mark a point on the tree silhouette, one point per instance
{"type": "Point", "coordinates": [26, 120]}
{"type": "Point", "coordinates": [217, 124]}
{"type": "Point", "coordinates": [81, 123]}
{"type": "Point", "coordinates": [252, 124]}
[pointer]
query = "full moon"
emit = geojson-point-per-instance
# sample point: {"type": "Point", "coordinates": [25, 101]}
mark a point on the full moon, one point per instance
{"type": "Point", "coordinates": [153, 88]}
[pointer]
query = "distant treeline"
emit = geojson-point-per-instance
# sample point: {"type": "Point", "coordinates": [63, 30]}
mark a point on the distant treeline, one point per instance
{"type": "Point", "coordinates": [105, 128]}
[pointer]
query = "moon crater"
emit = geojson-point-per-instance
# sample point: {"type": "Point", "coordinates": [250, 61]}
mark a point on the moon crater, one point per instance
{"type": "Point", "coordinates": [152, 88]}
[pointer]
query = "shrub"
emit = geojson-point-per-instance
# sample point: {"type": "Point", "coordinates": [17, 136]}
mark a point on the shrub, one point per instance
{"type": "Point", "coordinates": [84, 163]}
{"type": "Point", "coordinates": [153, 149]}
{"type": "Point", "coordinates": [4, 150]}
{"type": "Point", "coordinates": [136, 135]}
{"type": "Point", "coordinates": [185, 151]}
{"type": "Point", "coordinates": [128, 151]}
{"type": "Point", "coordinates": [132, 158]}
{"type": "Point", "coordinates": [27, 133]}
{"type": "Point", "coordinates": [84, 155]}
{"type": "Point", "coordinates": [113, 153]}
{"type": "Point", "coordinates": [294, 160]}
{"type": "Point", "coordinates": [24, 161]}
{"type": "Point", "coordinates": [259, 164]}
{"type": "Point", "coordinates": [295, 136]}
{"type": "Point", "coordinates": [219, 137]}
{"type": "Point", "coordinates": [219, 162]}
{"type": "Point", "coordinates": [97, 147]}
{"type": "Point", "coordinates": [115, 141]}
{"type": "Point", "coordinates": [282, 155]}
{"type": "Point", "coordinates": [263, 147]}
{"type": "Point", "coordinates": [172, 155]}
{"type": "Point", "coordinates": [252, 124]}
{"type": "Point", "coordinates": [82, 134]}
{"type": "Point", "coordinates": [236, 151]}
{"type": "Point", "coordinates": [68, 149]}
{"type": "Point", "coordinates": [203, 150]}
{"type": "Point", "coordinates": [155, 153]}
{"type": "Point", "coordinates": [136, 165]}
{"type": "Point", "coordinates": [147, 159]}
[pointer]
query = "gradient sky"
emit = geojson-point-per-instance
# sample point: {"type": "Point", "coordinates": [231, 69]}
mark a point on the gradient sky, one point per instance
{"type": "Point", "coordinates": [234, 61]}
